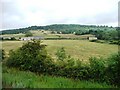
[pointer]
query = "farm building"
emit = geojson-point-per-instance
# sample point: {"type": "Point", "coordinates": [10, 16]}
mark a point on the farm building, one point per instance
{"type": "Point", "coordinates": [92, 38]}
{"type": "Point", "coordinates": [31, 38]}
{"type": "Point", "coordinates": [7, 38]}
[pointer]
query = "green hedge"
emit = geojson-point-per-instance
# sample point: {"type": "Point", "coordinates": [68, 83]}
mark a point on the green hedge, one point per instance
{"type": "Point", "coordinates": [33, 56]}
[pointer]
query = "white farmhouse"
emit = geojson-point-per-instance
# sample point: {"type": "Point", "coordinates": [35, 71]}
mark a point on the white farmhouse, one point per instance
{"type": "Point", "coordinates": [92, 38]}
{"type": "Point", "coordinates": [31, 38]}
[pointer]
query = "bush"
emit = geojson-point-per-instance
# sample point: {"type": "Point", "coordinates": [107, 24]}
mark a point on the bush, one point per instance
{"type": "Point", "coordinates": [61, 54]}
{"type": "Point", "coordinates": [93, 40]}
{"type": "Point", "coordinates": [113, 69]}
{"type": "Point", "coordinates": [28, 34]}
{"type": "Point", "coordinates": [108, 71]}
{"type": "Point", "coordinates": [97, 69]}
{"type": "Point", "coordinates": [114, 42]}
{"type": "Point", "coordinates": [100, 41]}
{"type": "Point", "coordinates": [13, 38]}
{"type": "Point", "coordinates": [2, 54]}
{"type": "Point", "coordinates": [31, 56]}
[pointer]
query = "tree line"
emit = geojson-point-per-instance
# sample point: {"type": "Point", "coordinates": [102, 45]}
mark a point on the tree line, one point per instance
{"type": "Point", "coordinates": [101, 32]}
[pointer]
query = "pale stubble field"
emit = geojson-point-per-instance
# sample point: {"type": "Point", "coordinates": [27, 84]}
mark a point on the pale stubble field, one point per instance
{"type": "Point", "coordinates": [79, 49]}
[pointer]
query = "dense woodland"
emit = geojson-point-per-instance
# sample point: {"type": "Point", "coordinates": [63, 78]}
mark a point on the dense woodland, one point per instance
{"type": "Point", "coordinates": [101, 32]}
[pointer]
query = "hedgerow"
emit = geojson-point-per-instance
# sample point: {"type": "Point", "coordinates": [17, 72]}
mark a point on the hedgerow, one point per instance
{"type": "Point", "coordinates": [33, 56]}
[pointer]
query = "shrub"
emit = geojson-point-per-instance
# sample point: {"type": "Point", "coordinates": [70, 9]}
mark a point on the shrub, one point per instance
{"type": "Point", "coordinates": [93, 40]}
{"type": "Point", "coordinates": [28, 34]}
{"type": "Point", "coordinates": [2, 54]}
{"type": "Point", "coordinates": [114, 42]}
{"type": "Point", "coordinates": [13, 38]}
{"type": "Point", "coordinates": [70, 62]}
{"type": "Point", "coordinates": [100, 41]}
{"type": "Point", "coordinates": [113, 70]}
{"type": "Point", "coordinates": [108, 71]}
{"type": "Point", "coordinates": [97, 69]}
{"type": "Point", "coordinates": [31, 56]}
{"type": "Point", "coordinates": [61, 54]}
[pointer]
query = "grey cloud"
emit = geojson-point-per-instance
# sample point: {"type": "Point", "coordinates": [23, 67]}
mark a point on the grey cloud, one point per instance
{"type": "Point", "coordinates": [10, 8]}
{"type": "Point", "coordinates": [103, 18]}
{"type": "Point", "coordinates": [14, 17]}
{"type": "Point", "coordinates": [9, 13]}
{"type": "Point", "coordinates": [110, 17]}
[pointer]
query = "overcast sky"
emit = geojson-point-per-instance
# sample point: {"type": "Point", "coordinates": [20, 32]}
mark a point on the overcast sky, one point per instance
{"type": "Point", "coordinates": [24, 13]}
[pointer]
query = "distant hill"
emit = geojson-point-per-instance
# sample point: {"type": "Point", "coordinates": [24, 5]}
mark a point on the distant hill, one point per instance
{"type": "Point", "coordinates": [101, 32]}
{"type": "Point", "coordinates": [64, 28]}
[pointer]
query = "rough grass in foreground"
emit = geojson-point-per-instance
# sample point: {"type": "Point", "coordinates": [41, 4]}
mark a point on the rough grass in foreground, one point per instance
{"type": "Point", "coordinates": [13, 78]}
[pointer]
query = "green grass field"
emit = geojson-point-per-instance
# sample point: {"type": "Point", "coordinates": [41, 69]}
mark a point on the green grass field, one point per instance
{"type": "Point", "coordinates": [79, 49]}
{"type": "Point", "coordinates": [47, 34]}
{"type": "Point", "coordinates": [13, 35]}
{"type": "Point", "coordinates": [13, 78]}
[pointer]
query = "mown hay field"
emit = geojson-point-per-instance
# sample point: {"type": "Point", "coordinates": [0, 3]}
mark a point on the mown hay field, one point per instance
{"type": "Point", "coordinates": [47, 34]}
{"type": "Point", "coordinates": [79, 49]}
